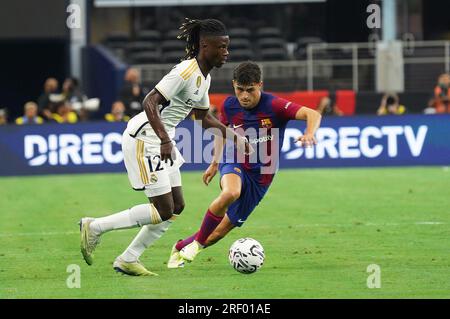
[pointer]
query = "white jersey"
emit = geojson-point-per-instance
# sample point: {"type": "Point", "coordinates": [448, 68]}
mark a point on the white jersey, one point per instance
{"type": "Point", "coordinates": [185, 88]}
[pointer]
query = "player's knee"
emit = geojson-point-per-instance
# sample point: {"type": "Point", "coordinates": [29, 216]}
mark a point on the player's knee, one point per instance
{"type": "Point", "coordinates": [230, 196]}
{"type": "Point", "coordinates": [165, 209]}
{"type": "Point", "coordinates": [166, 215]}
{"type": "Point", "coordinates": [178, 208]}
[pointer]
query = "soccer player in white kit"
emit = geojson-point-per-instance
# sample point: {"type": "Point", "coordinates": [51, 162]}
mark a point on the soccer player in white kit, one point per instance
{"type": "Point", "coordinates": [151, 158]}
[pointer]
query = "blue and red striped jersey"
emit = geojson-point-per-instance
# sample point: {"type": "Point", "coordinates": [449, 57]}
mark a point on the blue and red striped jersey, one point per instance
{"type": "Point", "coordinates": [264, 126]}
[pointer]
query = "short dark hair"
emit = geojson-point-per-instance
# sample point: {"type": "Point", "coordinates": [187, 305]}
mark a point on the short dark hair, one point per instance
{"type": "Point", "coordinates": [247, 73]}
{"type": "Point", "coordinates": [191, 31]}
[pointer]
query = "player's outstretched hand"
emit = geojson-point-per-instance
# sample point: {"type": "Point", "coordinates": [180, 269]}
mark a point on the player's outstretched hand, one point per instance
{"type": "Point", "coordinates": [166, 152]}
{"type": "Point", "coordinates": [210, 172]}
{"type": "Point", "coordinates": [307, 140]}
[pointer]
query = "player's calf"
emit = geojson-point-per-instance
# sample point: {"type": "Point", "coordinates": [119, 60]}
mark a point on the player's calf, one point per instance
{"type": "Point", "coordinates": [219, 232]}
{"type": "Point", "coordinates": [178, 200]}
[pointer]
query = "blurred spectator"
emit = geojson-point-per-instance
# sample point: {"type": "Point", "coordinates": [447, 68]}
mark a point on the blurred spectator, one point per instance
{"type": "Point", "coordinates": [132, 93]}
{"type": "Point", "coordinates": [390, 105]}
{"type": "Point", "coordinates": [30, 116]}
{"type": "Point", "coordinates": [3, 117]}
{"type": "Point", "coordinates": [83, 115]}
{"type": "Point", "coordinates": [117, 113]}
{"type": "Point", "coordinates": [50, 87]}
{"type": "Point", "coordinates": [328, 106]}
{"type": "Point", "coordinates": [440, 101]}
{"type": "Point", "coordinates": [64, 113]}
{"type": "Point", "coordinates": [72, 92]}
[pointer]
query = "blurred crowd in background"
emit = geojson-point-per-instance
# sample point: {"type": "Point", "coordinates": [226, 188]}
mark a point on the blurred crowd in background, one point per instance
{"type": "Point", "coordinates": [69, 104]}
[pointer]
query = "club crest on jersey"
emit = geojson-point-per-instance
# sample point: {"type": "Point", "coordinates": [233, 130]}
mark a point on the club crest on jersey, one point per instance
{"type": "Point", "coordinates": [153, 178]}
{"type": "Point", "coordinates": [199, 81]}
{"type": "Point", "coordinates": [266, 123]}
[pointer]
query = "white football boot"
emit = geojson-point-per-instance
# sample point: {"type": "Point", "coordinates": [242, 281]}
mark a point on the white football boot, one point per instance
{"type": "Point", "coordinates": [133, 269]}
{"type": "Point", "coordinates": [175, 260]}
{"type": "Point", "coordinates": [190, 251]}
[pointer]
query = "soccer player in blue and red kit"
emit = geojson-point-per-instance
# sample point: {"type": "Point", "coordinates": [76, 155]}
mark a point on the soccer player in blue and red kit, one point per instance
{"type": "Point", "coordinates": [262, 117]}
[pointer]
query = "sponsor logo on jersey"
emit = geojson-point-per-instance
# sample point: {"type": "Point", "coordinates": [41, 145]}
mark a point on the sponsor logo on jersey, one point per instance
{"type": "Point", "coordinates": [261, 139]}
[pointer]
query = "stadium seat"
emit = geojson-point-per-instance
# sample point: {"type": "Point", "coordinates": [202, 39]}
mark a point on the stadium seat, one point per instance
{"type": "Point", "coordinates": [242, 33]}
{"type": "Point", "coordinates": [172, 45]}
{"type": "Point", "coordinates": [116, 40]}
{"type": "Point", "coordinates": [271, 43]}
{"type": "Point", "coordinates": [239, 43]}
{"type": "Point", "coordinates": [173, 56]}
{"type": "Point", "coordinates": [140, 46]}
{"type": "Point", "coordinates": [241, 55]}
{"type": "Point", "coordinates": [171, 35]}
{"type": "Point", "coordinates": [144, 57]}
{"type": "Point", "coordinates": [268, 33]}
{"type": "Point", "coordinates": [148, 35]}
{"type": "Point", "coordinates": [117, 37]}
{"type": "Point", "coordinates": [273, 54]}
{"type": "Point", "coordinates": [301, 45]}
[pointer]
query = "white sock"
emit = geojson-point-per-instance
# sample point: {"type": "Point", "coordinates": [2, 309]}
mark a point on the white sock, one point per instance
{"type": "Point", "coordinates": [145, 238]}
{"type": "Point", "coordinates": [136, 216]}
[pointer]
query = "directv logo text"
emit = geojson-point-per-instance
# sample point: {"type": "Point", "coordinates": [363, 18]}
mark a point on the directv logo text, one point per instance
{"type": "Point", "coordinates": [65, 149]}
{"type": "Point", "coordinates": [347, 142]}
{"type": "Point", "coordinates": [354, 142]}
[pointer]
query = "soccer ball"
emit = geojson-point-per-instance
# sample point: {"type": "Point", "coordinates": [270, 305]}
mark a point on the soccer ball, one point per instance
{"type": "Point", "coordinates": [246, 255]}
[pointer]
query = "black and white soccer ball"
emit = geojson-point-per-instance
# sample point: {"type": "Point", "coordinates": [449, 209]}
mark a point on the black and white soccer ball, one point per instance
{"type": "Point", "coordinates": [246, 255]}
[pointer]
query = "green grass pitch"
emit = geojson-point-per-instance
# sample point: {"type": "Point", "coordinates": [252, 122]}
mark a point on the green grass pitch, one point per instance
{"type": "Point", "coordinates": [320, 228]}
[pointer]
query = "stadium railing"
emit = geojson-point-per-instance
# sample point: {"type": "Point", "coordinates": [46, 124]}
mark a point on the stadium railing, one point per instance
{"type": "Point", "coordinates": [353, 65]}
{"type": "Point", "coordinates": [334, 66]}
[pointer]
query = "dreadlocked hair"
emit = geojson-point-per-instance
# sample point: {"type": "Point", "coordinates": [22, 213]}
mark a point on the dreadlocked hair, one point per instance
{"type": "Point", "coordinates": [191, 30]}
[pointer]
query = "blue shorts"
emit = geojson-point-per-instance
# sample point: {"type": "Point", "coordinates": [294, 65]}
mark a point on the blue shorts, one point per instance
{"type": "Point", "coordinates": [251, 194]}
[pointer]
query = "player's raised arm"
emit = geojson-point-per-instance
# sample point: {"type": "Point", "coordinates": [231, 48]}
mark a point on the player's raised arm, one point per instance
{"type": "Point", "coordinates": [312, 119]}
{"type": "Point", "coordinates": [287, 110]}
{"type": "Point", "coordinates": [151, 105]}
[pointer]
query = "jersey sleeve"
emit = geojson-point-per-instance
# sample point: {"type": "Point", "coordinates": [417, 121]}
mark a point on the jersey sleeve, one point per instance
{"type": "Point", "coordinates": [171, 84]}
{"type": "Point", "coordinates": [284, 109]}
{"type": "Point", "coordinates": [203, 104]}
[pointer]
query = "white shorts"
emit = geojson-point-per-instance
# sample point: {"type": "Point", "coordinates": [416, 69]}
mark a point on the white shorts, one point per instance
{"type": "Point", "coordinates": [145, 170]}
